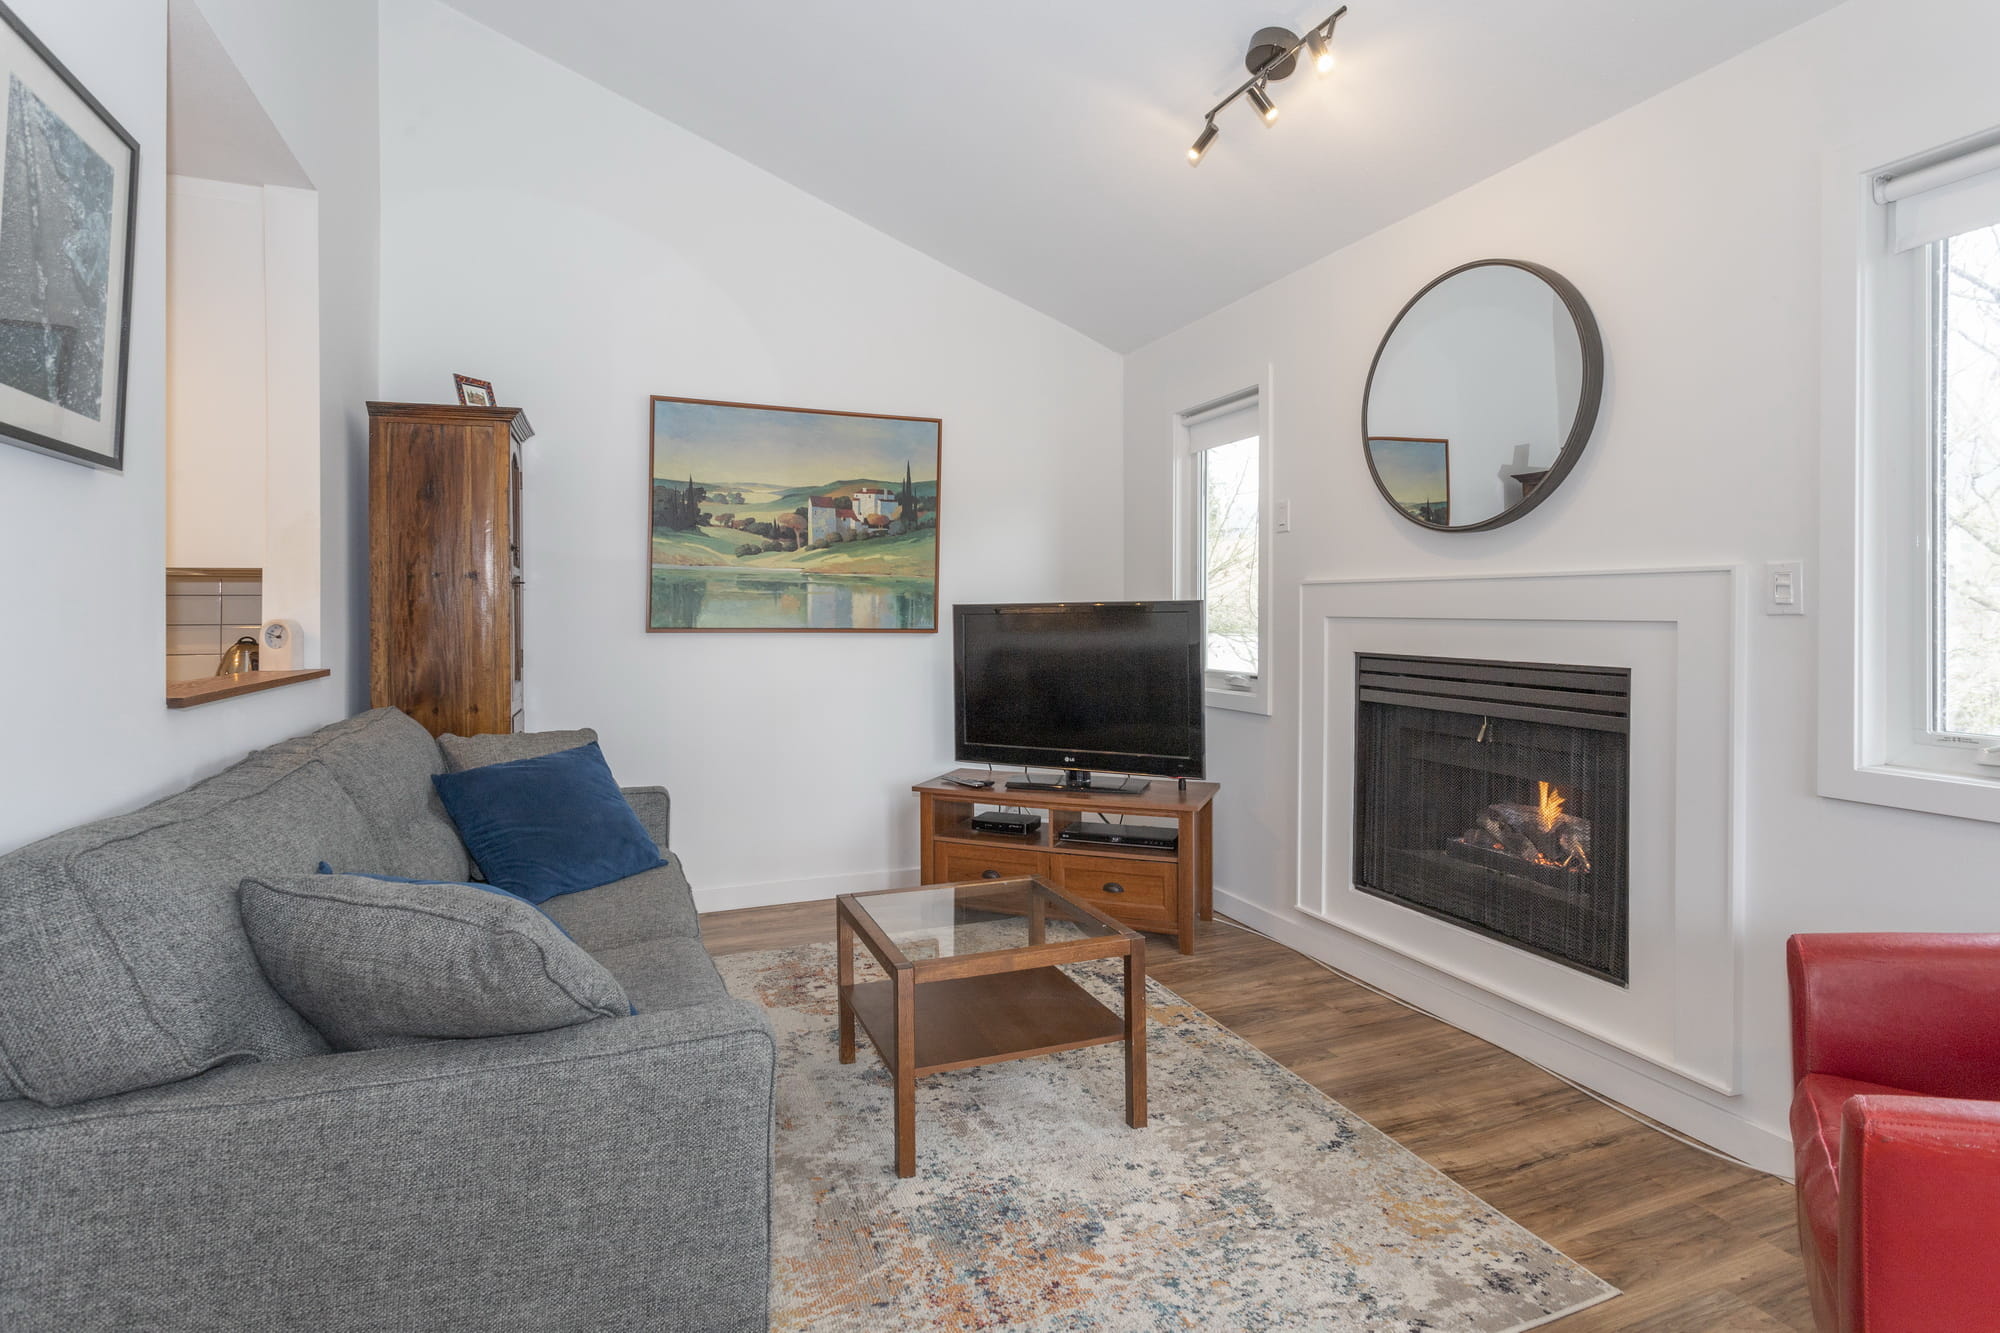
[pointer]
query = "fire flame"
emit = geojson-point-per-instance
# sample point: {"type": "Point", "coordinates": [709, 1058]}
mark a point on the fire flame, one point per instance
{"type": "Point", "coordinates": [1550, 807]}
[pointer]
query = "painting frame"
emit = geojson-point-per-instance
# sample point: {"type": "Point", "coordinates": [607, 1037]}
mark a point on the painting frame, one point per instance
{"type": "Point", "coordinates": [1436, 514]}
{"type": "Point", "coordinates": [931, 575]}
{"type": "Point", "coordinates": [471, 390]}
{"type": "Point", "coordinates": [43, 423]}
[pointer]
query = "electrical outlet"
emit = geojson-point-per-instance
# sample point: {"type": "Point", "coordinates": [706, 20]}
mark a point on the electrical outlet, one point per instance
{"type": "Point", "coordinates": [1284, 516]}
{"type": "Point", "coordinates": [1785, 588]}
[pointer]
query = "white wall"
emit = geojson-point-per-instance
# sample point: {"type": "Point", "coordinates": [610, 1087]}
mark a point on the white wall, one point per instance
{"type": "Point", "coordinates": [312, 65]}
{"type": "Point", "coordinates": [243, 412]}
{"type": "Point", "coordinates": [1692, 226]}
{"type": "Point", "coordinates": [215, 373]}
{"type": "Point", "coordinates": [583, 254]}
{"type": "Point", "coordinates": [86, 728]}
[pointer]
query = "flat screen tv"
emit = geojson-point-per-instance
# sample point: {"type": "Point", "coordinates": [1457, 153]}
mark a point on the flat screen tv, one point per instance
{"type": "Point", "coordinates": [1081, 686]}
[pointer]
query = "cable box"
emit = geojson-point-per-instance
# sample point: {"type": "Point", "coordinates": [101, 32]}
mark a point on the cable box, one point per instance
{"type": "Point", "coordinates": [1005, 821]}
{"type": "Point", "coordinates": [1156, 837]}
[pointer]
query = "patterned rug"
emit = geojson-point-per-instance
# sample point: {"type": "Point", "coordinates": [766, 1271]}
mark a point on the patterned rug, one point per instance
{"type": "Point", "coordinates": [1251, 1202]}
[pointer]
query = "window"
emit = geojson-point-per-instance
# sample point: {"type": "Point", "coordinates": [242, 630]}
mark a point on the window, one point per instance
{"type": "Point", "coordinates": [1225, 559]}
{"type": "Point", "coordinates": [1910, 550]}
{"type": "Point", "coordinates": [1964, 642]}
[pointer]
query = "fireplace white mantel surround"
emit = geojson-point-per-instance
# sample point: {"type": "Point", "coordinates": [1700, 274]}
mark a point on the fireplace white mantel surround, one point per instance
{"type": "Point", "coordinates": [1669, 1042]}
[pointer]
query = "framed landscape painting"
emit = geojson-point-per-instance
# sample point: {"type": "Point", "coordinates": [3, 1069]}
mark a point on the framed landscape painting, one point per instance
{"type": "Point", "coordinates": [66, 212]}
{"type": "Point", "coordinates": [785, 518]}
{"type": "Point", "coordinates": [1416, 473]}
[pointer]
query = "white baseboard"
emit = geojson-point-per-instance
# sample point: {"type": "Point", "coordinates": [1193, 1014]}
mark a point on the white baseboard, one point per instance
{"type": "Point", "coordinates": [1528, 1035]}
{"type": "Point", "coordinates": [815, 889]}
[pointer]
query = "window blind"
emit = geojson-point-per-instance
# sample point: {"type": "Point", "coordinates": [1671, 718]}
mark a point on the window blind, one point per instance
{"type": "Point", "coordinates": [1941, 199]}
{"type": "Point", "coordinates": [1223, 424]}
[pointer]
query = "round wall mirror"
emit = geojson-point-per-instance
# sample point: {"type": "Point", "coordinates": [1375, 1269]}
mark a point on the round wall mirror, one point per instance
{"type": "Point", "coordinates": [1482, 396]}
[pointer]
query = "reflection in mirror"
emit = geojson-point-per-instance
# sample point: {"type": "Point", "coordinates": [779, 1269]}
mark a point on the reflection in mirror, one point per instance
{"type": "Point", "coordinates": [1482, 394]}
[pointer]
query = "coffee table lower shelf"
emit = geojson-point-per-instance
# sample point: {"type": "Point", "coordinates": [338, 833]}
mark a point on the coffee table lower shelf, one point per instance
{"type": "Point", "coordinates": [970, 1021]}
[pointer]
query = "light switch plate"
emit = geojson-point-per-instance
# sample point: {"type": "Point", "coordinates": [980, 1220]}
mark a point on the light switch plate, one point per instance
{"type": "Point", "coordinates": [1284, 516]}
{"type": "Point", "coordinates": [1785, 588]}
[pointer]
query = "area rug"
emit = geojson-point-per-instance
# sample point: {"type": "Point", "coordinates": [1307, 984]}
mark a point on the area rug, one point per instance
{"type": "Point", "coordinates": [1252, 1201]}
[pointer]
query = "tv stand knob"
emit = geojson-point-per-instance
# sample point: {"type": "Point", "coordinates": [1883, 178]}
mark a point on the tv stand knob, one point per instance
{"type": "Point", "coordinates": [1111, 887]}
{"type": "Point", "coordinates": [989, 874]}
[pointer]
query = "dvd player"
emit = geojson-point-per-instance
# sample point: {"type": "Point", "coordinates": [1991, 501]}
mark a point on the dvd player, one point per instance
{"type": "Point", "coordinates": [1153, 836]}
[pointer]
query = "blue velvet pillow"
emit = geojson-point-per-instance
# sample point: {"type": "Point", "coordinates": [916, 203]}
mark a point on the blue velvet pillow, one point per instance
{"type": "Point", "coordinates": [547, 826]}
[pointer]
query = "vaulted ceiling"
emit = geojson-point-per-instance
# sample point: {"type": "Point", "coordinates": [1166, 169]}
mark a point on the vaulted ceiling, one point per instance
{"type": "Point", "coordinates": [1039, 146]}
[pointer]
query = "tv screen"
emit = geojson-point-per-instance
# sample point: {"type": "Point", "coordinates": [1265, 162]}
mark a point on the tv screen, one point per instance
{"type": "Point", "coordinates": [1114, 686]}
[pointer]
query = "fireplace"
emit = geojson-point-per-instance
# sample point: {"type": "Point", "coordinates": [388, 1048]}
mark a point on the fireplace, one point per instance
{"type": "Point", "coordinates": [1493, 795]}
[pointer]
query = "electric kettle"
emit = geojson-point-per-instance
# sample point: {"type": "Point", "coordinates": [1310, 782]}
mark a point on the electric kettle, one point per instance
{"type": "Point", "coordinates": [239, 656]}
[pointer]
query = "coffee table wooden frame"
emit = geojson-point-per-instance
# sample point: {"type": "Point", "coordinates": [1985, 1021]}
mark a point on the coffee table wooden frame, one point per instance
{"type": "Point", "coordinates": [982, 1008]}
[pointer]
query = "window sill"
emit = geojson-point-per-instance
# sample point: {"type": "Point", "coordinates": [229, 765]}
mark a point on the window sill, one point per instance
{"type": "Point", "coordinates": [1928, 791]}
{"type": "Point", "coordinates": [209, 689]}
{"type": "Point", "coordinates": [1252, 702]}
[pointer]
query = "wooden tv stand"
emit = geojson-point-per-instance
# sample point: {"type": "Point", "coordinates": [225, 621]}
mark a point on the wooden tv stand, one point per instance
{"type": "Point", "coordinates": [1141, 887]}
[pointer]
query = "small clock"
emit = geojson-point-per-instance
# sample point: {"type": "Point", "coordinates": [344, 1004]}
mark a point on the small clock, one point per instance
{"type": "Point", "coordinates": [280, 646]}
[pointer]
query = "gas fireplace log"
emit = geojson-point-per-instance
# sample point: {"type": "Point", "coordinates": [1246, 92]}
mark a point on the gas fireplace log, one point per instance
{"type": "Point", "coordinates": [1521, 832]}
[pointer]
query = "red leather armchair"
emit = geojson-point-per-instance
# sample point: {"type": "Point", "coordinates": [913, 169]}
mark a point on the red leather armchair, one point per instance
{"type": "Point", "coordinates": [1896, 1129]}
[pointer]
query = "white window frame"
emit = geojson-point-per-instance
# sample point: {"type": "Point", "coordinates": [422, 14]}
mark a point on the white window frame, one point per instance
{"type": "Point", "coordinates": [1188, 519]}
{"type": "Point", "coordinates": [1876, 552]}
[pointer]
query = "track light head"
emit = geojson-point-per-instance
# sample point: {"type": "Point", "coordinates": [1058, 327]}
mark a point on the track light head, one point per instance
{"type": "Point", "coordinates": [1317, 42]}
{"type": "Point", "coordinates": [1266, 108]}
{"type": "Point", "coordinates": [1201, 143]}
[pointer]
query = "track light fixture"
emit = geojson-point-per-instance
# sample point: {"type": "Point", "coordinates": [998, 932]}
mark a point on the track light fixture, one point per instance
{"type": "Point", "coordinates": [1202, 141]}
{"type": "Point", "coordinates": [1322, 49]}
{"type": "Point", "coordinates": [1273, 54]}
{"type": "Point", "coordinates": [1262, 101]}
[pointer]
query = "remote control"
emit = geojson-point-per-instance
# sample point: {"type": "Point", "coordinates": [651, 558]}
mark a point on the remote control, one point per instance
{"type": "Point", "coordinates": [979, 783]}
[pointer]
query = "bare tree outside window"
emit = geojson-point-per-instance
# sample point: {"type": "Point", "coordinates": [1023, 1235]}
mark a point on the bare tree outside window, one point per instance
{"type": "Point", "coordinates": [1966, 521]}
{"type": "Point", "coordinates": [1229, 554]}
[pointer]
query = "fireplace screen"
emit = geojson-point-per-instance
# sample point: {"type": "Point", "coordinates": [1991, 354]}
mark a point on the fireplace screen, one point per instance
{"type": "Point", "coordinates": [1493, 795]}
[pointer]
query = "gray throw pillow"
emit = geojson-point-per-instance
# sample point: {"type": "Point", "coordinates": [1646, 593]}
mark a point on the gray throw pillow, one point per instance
{"type": "Point", "coordinates": [372, 963]}
{"type": "Point", "coordinates": [463, 752]}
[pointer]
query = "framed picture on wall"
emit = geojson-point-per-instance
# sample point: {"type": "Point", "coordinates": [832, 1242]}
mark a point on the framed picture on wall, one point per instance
{"type": "Point", "coordinates": [68, 190]}
{"type": "Point", "coordinates": [786, 518]}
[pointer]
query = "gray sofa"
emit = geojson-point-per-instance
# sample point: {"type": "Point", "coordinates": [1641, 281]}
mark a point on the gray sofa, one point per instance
{"type": "Point", "coordinates": [180, 1150]}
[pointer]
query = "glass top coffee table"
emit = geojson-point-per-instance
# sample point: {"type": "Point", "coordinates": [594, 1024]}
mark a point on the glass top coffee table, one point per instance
{"type": "Point", "coordinates": [974, 979]}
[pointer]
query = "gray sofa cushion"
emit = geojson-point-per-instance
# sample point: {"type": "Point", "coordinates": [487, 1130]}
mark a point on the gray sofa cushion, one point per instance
{"type": "Point", "coordinates": [385, 759]}
{"type": "Point", "coordinates": [463, 752]}
{"type": "Point", "coordinates": [126, 964]}
{"type": "Point", "coordinates": [653, 807]}
{"type": "Point", "coordinates": [654, 904]}
{"type": "Point", "coordinates": [660, 975]}
{"type": "Point", "coordinates": [372, 963]}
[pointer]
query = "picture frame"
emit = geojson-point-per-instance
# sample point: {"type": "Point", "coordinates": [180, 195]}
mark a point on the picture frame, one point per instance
{"type": "Point", "coordinates": [1415, 473]}
{"type": "Point", "coordinates": [474, 393]}
{"type": "Point", "coordinates": [69, 187]}
{"type": "Point", "coordinates": [766, 519]}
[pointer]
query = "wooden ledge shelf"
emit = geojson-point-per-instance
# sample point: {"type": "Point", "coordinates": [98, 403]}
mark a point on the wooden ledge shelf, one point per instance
{"type": "Point", "coordinates": [208, 689]}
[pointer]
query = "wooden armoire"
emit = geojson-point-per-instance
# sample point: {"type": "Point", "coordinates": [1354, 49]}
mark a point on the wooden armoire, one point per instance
{"type": "Point", "coordinates": [444, 557]}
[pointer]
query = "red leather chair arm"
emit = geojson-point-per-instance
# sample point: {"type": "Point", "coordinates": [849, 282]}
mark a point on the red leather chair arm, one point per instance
{"type": "Point", "coordinates": [1920, 1012]}
{"type": "Point", "coordinates": [1919, 1214]}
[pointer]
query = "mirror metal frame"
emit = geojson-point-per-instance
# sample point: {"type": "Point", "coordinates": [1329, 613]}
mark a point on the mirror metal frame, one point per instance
{"type": "Point", "coordinates": [1589, 396]}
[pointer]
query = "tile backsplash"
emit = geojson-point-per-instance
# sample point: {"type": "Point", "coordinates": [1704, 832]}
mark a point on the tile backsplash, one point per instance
{"type": "Point", "coordinates": [205, 614]}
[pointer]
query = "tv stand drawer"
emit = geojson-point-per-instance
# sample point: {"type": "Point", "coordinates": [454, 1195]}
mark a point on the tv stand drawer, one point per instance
{"type": "Point", "coordinates": [958, 863]}
{"type": "Point", "coordinates": [1118, 886]}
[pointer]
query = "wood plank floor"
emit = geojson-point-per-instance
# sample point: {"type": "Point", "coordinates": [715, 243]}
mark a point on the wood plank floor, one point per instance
{"type": "Point", "coordinates": [1696, 1244]}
